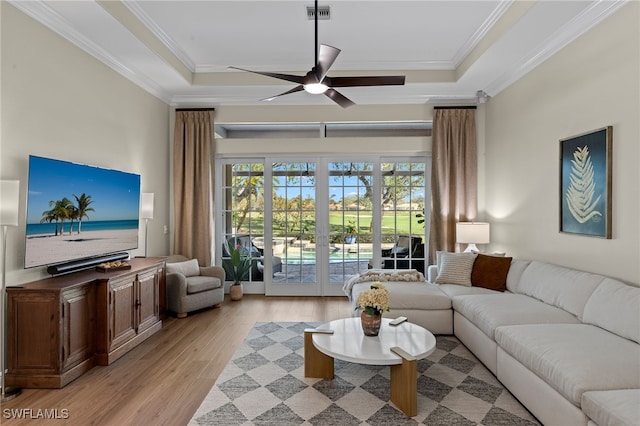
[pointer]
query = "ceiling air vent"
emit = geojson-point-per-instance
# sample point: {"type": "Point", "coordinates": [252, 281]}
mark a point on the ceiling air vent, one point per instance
{"type": "Point", "coordinates": [324, 13]}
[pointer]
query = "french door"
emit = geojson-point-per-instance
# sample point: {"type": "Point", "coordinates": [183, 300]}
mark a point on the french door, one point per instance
{"type": "Point", "coordinates": [312, 223]}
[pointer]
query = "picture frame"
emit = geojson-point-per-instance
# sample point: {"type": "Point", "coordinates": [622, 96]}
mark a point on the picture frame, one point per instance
{"type": "Point", "coordinates": [585, 183]}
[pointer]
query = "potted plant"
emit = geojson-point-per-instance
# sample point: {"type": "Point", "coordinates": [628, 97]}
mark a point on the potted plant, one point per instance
{"type": "Point", "coordinates": [372, 303]}
{"type": "Point", "coordinates": [237, 269]}
{"type": "Point", "coordinates": [350, 232]}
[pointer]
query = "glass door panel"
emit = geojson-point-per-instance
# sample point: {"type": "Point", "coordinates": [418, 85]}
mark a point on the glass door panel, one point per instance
{"type": "Point", "coordinates": [243, 214]}
{"type": "Point", "coordinates": [350, 219]}
{"type": "Point", "coordinates": [293, 224]}
{"type": "Point", "coordinates": [403, 202]}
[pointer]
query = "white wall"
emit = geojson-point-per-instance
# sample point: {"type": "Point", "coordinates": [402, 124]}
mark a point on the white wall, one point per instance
{"type": "Point", "coordinates": [591, 83]}
{"type": "Point", "coordinates": [59, 102]}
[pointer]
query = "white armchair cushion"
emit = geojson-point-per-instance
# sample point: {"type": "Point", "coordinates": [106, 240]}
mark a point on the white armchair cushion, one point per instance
{"type": "Point", "coordinates": [189, 268]}
{"type": "Point", "coordinates": [455, 268]}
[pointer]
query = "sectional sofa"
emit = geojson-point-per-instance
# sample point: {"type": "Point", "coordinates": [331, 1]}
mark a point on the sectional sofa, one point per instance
{"type": "Point", "coordinates": [565, 342]}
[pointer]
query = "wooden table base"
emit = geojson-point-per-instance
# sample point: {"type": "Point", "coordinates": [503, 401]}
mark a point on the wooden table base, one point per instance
{"type": "Point", "coordinates": [316, 364]}
{"type": "Point", "coordinates": [404, 377]}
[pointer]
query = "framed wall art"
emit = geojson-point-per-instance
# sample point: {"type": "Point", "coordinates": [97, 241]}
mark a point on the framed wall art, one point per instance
{"type": "Point", "coordinates": [585, 183]}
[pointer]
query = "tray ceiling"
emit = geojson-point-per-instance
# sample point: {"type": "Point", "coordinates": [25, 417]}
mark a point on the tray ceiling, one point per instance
{"type": "Point", "coordinates": [449, 51]}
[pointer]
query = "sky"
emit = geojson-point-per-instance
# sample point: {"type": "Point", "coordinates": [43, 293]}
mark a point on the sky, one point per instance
{"type": "Point", "coordinates": [115, 194]}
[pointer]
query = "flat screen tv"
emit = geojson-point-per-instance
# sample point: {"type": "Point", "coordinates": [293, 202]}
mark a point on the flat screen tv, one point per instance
{"type": "Point", "coordinates": [77, 211]}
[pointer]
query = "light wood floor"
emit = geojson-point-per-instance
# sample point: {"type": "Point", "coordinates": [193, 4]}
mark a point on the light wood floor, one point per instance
{"type": "Point", "coordinates": [164, 380]}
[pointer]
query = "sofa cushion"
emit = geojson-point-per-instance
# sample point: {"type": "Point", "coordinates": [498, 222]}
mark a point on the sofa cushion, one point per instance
{"type": "Point", "coordinates": [490, 272]}
{"type": "Point", "coordinates": [202, 283]}
{"type": "Point", "coordinates": [453, 290]}
{"type": "Point", "coordinates": [615, 306]}
{"type": "Point", "coordinates": [612, 408]}
{"type": "Point", "coordinates": [515, 273]}
{"type": "Point", "coordinates": [489, 311]}
{"type": "Point", "coordinates": [455, 268]}
{"type": "Point", "coordinates": [568, 289]}
{"type": "Point", "coordinates": [410, 295]}
{"type": "Point", "coordinates": [189, 268]}
{"type": "Point", "coordinates": [573, 358]}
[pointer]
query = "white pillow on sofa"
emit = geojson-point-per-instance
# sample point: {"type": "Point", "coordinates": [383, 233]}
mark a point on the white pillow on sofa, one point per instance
{"type": "Point", "coordinates": [188, 268]}
{"type": "Point", "coordinates": [455, 268]}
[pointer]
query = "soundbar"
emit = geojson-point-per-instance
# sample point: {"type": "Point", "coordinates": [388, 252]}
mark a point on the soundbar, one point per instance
{"type": "Point", "coordinates": [78, 265]}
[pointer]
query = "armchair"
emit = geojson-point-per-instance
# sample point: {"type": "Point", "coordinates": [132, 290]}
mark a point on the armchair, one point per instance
{"type": "Point", "coordinates": [191, 287]}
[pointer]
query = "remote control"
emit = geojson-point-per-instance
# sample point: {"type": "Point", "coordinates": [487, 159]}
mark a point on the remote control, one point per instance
{"type": "Point", "coordinates": [321, 330]}
{"type": "Point", "coordinates": [398, 320]}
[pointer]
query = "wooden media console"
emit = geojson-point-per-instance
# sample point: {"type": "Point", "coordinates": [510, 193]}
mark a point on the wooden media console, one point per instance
{"type": "Point", "coordinates": [60, 327]}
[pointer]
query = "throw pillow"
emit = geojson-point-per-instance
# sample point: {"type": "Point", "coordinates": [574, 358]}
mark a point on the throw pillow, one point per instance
{"type": "Point", "coordinates": [188, 268]}
{"type": "Point", "coordinates": [455, 268]}
{"type": "Point", "coordinates": [490, 272]}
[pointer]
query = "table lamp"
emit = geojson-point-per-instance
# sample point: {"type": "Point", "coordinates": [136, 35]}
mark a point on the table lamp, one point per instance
{"type": "Point", "coordinates": [472, 233]}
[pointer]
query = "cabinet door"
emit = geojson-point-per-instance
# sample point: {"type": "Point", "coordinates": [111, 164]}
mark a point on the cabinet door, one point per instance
{"type": "Point", "coordinates": [148, 312]}
{"type": "Point", "coordinates": [77, 325]}
{"type": "Point", "coordinates": [122, 308]}
{"type": "Point", "coordinates": [33, 327]}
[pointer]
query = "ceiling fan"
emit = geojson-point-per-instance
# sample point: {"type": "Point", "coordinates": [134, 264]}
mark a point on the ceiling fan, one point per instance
{"type": "Point", "coordinates": [317, 82]}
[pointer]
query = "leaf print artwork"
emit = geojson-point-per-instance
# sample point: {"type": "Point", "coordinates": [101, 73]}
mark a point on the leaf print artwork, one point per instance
{"type": "Point", "coordinates": [582, 187]}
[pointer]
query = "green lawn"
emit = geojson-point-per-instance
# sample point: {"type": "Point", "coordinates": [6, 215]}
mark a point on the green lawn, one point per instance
{"type": "Point", "coordinates": [402, 221]}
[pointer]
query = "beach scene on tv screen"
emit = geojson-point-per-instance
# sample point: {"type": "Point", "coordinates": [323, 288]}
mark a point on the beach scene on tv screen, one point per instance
{"type": "Point", "coordinates": [77, 211]}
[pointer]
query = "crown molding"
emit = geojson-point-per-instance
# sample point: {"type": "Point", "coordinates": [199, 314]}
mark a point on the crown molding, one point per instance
{"type": "Point", "coordinates": [169, 42]}
{"type": "Point", "coordinates": [48, 17]}
{"type": "Point", "coordinates": [582, 23]}
{"type": "Point", "coordinates": [480, 33]}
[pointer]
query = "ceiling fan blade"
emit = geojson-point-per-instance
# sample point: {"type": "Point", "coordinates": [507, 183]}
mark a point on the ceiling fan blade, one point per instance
{"type": "Point", "coordinates": [383, 80]}
{"type": "Point", "coordinates": [287, 77]}
{"type": "Point", "coordinates": [326, 57]}
{"type": "Point", "coordinates": [294, 90]}
{"type": "Point", "coordinates": [338, 98]}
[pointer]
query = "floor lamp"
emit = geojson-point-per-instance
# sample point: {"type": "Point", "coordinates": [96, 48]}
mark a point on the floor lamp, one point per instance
{"type": "Point", "coordinates": [146, 207]}
{"type": "Point", "coordinates": [9, 206]}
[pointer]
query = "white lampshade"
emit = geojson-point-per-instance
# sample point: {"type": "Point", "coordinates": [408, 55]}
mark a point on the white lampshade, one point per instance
{"type": "Point", "coordinates": [9, 202]}
{"type": "Point", "coordinates": [146, 205]}
{"type": "Point", "coordinates": [472, 233]}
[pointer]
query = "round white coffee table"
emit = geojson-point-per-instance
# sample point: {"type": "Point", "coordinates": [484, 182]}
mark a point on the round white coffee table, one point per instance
{"type": "Point", "coordinates": [397, 346]}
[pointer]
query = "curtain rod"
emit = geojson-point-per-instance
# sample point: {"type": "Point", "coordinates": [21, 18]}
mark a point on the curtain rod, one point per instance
{"type": "Point", "coordinates": [456, 107]}
{"type": "Point", "coordinates": [195, 109]}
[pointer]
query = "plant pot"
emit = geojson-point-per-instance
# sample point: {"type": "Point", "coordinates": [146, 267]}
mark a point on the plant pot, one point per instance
{"type": "Point", "coordinates": [370, 323]}
{"type": "Point", "coordinates": [350, 239]}
{"type": "Point", "coordinates": [235, 292]}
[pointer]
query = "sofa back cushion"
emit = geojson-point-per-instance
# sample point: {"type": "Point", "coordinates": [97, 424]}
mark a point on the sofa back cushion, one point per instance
{"type": "Point", "coordinates": [189, 268]}
{"type": "Point", "coordinates": [515, 273]}
{"type": "Point", "coordinates": [568, 289]}
{"type": "Point", "coordinates": [615, 307]}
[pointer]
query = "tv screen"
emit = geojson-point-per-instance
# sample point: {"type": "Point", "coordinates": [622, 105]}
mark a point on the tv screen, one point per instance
{"type": "Point", "coordinates": [77, 211]}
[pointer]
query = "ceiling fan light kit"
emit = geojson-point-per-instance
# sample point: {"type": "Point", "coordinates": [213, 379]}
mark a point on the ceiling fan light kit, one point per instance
{"type": "Point", "coordinates": [317, 82]}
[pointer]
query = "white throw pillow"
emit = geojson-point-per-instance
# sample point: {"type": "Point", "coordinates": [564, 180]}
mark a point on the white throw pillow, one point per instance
{"type": "Point", "coordinates": [455, 268]}
{"type": "Point", "coordinates": [189, 268]}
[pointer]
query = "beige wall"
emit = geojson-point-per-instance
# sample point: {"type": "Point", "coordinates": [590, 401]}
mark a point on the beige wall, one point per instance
{"type": "Point", "coordinates": [59, 102]}
{"type": "Point", "coordinates": [591, 83]}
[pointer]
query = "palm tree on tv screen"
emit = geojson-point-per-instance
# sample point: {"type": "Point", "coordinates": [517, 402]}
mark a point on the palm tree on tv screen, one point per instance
{"type": "Point", "coordinates": [82, 208]}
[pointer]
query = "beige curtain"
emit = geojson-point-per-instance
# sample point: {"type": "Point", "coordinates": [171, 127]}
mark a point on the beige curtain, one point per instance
{"type": "Point", "coordinates": [454, 170]}
{"type": "Point", "coordinates": [193, 147]}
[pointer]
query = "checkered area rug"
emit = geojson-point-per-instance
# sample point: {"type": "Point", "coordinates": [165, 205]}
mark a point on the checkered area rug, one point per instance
{"type": "Point", "coordinates": [264, 384]}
